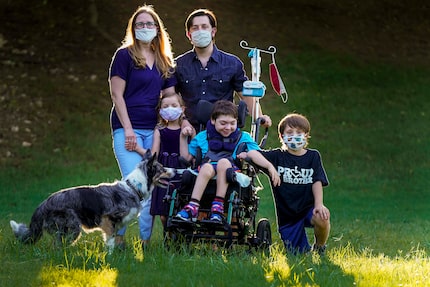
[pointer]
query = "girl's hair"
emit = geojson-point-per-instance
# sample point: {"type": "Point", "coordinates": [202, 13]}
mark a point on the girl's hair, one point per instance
{"type": "Point", "coordinates": [161, 44]}
{"type": "Point", "coordinates": [294, 120]}
{"type": "Point", "coordinates": [224, 108]}
{"type": "Point", "coordinates": [162, 122]}
{"type": "Point", "coordinates": [200, 12]}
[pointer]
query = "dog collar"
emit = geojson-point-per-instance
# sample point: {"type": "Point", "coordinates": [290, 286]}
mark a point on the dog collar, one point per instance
{"type": "Point", "coordinates": [137, 191]}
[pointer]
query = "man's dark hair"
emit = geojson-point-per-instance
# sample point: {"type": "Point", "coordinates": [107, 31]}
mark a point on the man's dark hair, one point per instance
{"type": "Point", "coordinates": [200, 12]}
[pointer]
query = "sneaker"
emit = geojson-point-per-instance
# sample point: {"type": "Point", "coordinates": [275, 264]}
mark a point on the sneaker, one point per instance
{"type": "Point", "coordinates": [319, 249]}
{"type": "Point", "coordinates": [188, 213]}
{"type": "Point", "coordinates": [216, 217]}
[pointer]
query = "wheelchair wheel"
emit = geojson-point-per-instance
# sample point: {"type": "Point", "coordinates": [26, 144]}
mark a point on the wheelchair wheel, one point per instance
{"type": "Point", "coordinates": [264, 234]}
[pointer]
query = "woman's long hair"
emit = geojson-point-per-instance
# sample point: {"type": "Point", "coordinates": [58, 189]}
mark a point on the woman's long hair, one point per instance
{"type": "Point", "coordinates": [161, 44]}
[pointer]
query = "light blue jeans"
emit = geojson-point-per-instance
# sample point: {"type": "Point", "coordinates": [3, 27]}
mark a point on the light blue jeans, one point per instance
{"type": "Point", "coordinates": [127, 161]}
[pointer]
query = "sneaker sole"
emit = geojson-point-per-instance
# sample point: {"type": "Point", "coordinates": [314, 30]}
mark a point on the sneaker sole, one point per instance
{"type": "Point", "coordinates": [185, 219]}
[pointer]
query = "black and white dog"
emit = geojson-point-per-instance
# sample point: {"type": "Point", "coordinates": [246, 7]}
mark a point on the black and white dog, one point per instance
{"type": "Point", "coordinates": [106, 207]}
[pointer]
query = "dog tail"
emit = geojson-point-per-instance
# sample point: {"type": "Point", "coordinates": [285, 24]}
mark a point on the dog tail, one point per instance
{"type": "Point", "coordinates": [29, 235]}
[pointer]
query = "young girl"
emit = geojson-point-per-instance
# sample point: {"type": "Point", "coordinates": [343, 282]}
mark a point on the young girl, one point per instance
{"type": "Point", "coordinates": [166, 144]}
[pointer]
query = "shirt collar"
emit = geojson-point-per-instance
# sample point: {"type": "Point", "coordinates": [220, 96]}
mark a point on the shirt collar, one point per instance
{"type": "Point", "coordinates": [216, 54]}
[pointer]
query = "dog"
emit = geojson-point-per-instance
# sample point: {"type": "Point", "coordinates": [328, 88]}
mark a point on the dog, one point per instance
{"type": "Point", "coordinates": [106, 207]}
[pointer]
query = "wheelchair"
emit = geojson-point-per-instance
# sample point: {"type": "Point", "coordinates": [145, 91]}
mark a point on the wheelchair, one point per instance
{"type": "Point", "coordinates": [239, 225]}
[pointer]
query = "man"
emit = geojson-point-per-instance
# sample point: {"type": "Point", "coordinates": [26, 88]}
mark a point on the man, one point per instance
{"type": "Point", "coordinates": [208, 73]}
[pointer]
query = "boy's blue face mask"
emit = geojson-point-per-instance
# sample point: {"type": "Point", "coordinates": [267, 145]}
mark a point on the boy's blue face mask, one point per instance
{"type": "Point", "coordinates": [295, 142]}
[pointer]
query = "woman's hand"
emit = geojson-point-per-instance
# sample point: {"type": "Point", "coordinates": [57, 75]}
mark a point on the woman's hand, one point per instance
{"type": "Point", "coordinates": [130, 139]}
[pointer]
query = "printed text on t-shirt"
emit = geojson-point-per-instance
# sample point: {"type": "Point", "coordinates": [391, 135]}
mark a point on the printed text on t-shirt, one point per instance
{"type": "Point", "coordinates": [296, 176]}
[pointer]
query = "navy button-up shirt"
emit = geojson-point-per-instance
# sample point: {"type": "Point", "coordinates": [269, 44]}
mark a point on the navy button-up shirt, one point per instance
{"type": "Point", "coordinates": [223, 74]}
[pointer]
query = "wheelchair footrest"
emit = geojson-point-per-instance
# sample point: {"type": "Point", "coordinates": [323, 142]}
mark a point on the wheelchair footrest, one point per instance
{"type": "Point", "coordinates": [182, 222]}
{"type": "Point", "coordinates": [212, 222]}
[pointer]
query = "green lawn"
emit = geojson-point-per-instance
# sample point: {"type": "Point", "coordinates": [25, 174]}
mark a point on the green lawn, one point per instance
{"type": "Point", "coordinates": [370, 123]}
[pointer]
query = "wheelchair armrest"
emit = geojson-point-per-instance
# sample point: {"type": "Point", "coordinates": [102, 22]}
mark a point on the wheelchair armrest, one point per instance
{"type": "Point", "coordinates": [237, 177]}
{"type": "Point", "coordinates": [187, 181]}
{"type": "Point", "coordinates": [184, 163]}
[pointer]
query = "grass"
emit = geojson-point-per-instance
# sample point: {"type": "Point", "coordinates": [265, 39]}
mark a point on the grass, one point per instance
{"type": "Point", "coordinates": [370, 123]}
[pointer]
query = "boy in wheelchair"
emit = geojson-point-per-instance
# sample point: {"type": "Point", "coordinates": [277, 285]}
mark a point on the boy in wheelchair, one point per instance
{"type": "Point", "coordinates": [219, 146]}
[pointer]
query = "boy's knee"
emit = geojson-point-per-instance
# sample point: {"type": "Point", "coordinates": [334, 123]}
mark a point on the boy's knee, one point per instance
{"type": "Point", "coordinates": [206, 170]}
{"type": "Point", "coordinates": [223, 164]}
{"type": "Point", "coordinates": [325, 224]}
{"type": "Point", "coordinates": [224, 161]}
{"type": "Point", "coordinates": [320, 223]}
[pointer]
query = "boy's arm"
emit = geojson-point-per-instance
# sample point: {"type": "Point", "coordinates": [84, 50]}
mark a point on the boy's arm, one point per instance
{"type": "Point", "coordinates": [319, 209]}
{"type": "Point", "coordinates": [261, 161]}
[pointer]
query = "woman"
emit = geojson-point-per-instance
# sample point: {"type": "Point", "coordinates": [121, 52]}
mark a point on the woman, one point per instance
{"type": "Point", "coordinates": [141, 69]}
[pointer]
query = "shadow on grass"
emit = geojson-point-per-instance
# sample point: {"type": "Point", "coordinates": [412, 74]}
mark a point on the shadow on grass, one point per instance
{"type": "Point", "coordinates": [305, 270]}
{"type": "Point", "coordinates": [21, 264]}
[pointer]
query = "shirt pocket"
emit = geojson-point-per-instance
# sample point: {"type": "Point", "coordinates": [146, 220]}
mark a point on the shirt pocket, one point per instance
{"type": "Point", "coordinates": [189, 86]}
{"type": "Point", "coordinates": [221, 85]}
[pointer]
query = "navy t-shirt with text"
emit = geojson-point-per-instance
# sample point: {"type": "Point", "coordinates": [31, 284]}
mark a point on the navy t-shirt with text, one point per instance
{"type": "Point", "coordinates": [294, 197]}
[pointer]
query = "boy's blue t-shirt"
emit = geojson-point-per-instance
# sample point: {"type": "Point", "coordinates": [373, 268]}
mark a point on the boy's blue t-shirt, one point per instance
{"type": "Point", "coordinates": [201, 141]}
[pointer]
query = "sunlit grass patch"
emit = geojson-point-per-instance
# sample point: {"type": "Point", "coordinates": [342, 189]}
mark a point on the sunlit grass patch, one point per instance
{"type": "Point", "coordinates": [62, 276]}
{"type": "Point", "coordinates": [82, 264]}
{"type": "Point", "coordinates": [344, 266]}
{"type": "Point", "coordinates": [411, 269]}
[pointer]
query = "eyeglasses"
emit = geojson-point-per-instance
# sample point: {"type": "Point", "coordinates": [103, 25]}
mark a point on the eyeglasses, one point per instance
{"type": "Point", "coordinates": [149, 25]}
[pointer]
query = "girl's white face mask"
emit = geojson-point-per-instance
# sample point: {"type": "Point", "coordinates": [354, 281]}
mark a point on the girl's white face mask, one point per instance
{"type": "Point", "coordinates": [171, 113]}
{"type": "Point", "coordinates": [295, 142]}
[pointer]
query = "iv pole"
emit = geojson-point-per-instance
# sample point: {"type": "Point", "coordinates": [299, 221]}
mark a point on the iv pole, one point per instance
{"type": "Point", "coordinates": [255, 88]}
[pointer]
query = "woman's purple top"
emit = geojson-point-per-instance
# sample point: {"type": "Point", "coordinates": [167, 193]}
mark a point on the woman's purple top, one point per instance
{"type": "Point", "coordinates": [142, 90]}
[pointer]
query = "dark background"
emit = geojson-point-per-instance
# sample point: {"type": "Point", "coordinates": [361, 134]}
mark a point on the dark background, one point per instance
{"type": "Point", "coordinates": [51, 49]}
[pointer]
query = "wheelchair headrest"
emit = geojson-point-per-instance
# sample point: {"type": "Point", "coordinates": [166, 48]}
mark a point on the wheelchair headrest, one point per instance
{"type": "Point", "coordinates": [205, 108]}
{"type": "Point", "coordinates": [204, 111]}
{"type": "Point", "coordinates": [242, 112]}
